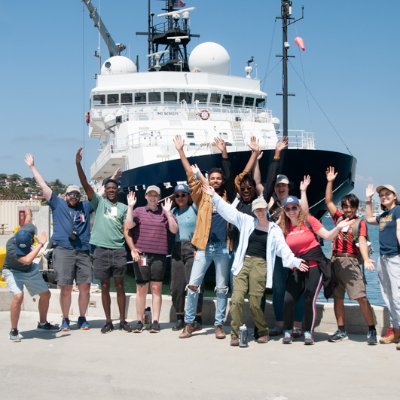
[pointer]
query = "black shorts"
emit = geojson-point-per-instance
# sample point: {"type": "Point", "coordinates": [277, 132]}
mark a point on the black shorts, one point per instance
{"type": "Point", "coordinates": [153, 271]}
{"type": "Point", "coordinates": [109, 263]}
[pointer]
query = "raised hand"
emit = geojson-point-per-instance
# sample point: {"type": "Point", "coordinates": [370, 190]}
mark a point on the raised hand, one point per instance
{"type": "Point", "coordinates": [282, 144]}
{"type": "Point", "coordinates": [254, 144]}
{"type": "Point", "coordinates": [305, 183]}
{"type": "Point", "coordinates": [78, 157]}
{"type": "Point", "coordinates": [117, 174]}
{"type": "Point", "coordinates": [29, 160]}
{"type": "Point", "coordinates": [208, 190]}
{"type": "Point", "coordinates": [179, 142]}
{"type": "Point", "coordinates": [167, 205]}
{"type": "Point", "coordinates": [220, 143]}
{"type": "Point", "coordinates": [331, 174]}
{"type": "Point", "coordinates": [369, 191]}
{"type": "Point", "coordinates": [195, 169]}
{"type": "Point", "coordinates": [131, 198]}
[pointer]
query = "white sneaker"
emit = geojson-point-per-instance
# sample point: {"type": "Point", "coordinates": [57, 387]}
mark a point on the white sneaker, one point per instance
{"type": "Point", "coordinates": [15, 336]}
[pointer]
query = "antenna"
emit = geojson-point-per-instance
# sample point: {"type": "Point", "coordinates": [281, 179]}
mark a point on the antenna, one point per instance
{"type": "Point", "coordinates": [157, 57]}
{"type": "Point", "coordinates": [177, 13]}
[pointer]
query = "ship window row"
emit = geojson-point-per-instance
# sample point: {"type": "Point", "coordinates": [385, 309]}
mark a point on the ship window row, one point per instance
{"type": "Point", "coordinates": [177, 97]}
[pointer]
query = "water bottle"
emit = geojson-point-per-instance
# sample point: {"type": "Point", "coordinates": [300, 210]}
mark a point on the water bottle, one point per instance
{"type": "Point", "coordinates": [243, 336]}
{"type": "Point", "coordinates": [147, 318]}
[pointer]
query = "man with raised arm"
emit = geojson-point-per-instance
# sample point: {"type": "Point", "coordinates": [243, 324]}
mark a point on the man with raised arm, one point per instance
{"type": "Point", "coordinates": [20, 270]}
{"type": "Point", "coordinates": [108, 237]}
{"type": "Point", "coordinates": [71, 233]}
{"type": "Point", "coordinates": [349, 252]}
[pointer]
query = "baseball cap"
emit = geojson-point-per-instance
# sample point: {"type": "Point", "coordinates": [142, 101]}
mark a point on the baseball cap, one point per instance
{"type": "Point", "coordinates": [182, 187]}
{"type": "Point", "coordinates": [259, 202]}
{"type": "Point", "coordinates": [153, 188]}
{"type": "Point", "coordinates": [24, 240]}
{"type": "Point", "coordinates": [282, 179]}
{"type": "Point", "coordinates": [388, 187]}
{"type": "Point", "coordinates": [73, 188]}
{"type": "Point", "coordinates": [291, 200]}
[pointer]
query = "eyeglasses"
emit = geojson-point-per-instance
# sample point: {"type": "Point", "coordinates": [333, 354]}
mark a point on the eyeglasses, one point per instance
{"type": "Point", "coordinates": [288, 209]}
{"type": "Point", "coordinates": [74, 195]}
{"type": "Point", "coordinates": [178, 196]}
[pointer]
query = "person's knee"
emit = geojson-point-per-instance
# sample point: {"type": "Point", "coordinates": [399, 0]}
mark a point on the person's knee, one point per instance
{"type": "Point", "coordinates": [65, 290]}
{"type": "Point", "coordinates": [45, 295]}
{"type": "Point", "coordinates": [18, 298]}
{"type": "Point", "coordinates": [193, 288]}
{"type": "Point", "coordinates": [221, 290]}
{"type": "Point", "coordinates": [155, 287]}
{"type": "Point", "coordinates": [105, 285]}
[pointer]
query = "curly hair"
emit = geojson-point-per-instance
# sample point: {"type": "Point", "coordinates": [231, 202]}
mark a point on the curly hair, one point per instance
{"type": "Point", "coordinates": [284, 220]}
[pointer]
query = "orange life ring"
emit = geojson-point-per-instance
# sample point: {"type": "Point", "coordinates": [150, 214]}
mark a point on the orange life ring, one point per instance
{"type": "Point", "coordinates": [204, 114]}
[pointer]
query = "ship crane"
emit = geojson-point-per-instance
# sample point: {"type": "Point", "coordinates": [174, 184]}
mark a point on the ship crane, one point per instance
{"type": "Point", "coordinates": [115, 49]}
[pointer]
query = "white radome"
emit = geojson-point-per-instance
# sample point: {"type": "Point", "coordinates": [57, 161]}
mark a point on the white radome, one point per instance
{"type": "Point", "coordinates": [210, 57]}
{"type": "Point", "coordinates": [118, 65]}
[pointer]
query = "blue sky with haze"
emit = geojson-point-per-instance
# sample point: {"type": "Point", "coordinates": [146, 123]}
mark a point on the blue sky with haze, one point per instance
{"type": "Point", "coordinates": [350, 66]}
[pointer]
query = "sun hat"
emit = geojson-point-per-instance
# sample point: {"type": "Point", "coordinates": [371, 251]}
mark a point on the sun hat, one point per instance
{"type": "Point", "coordinates": [282, 179]}
{"type": "Point", "coordinates": [153, 188]}
{"type": "Point", "coordinates": [259, 202]}
{"type": "Point", "coordinates": [388, 187]}
{"type": "Point", "coordinates": [73, 188]}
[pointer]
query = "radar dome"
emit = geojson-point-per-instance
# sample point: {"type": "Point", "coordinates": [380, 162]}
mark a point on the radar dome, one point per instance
{"type": "Point", "coordinates": [210, 57]}
{"type": "Point", "coordinates": [118, 65]}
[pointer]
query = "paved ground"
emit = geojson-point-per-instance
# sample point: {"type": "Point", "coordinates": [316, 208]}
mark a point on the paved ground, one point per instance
{"type": "Point", "coordinates": [119, 365]}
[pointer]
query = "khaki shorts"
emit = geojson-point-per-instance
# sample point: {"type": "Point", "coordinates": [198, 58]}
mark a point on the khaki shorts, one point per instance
{"type": "Point", "coordinates": [349, 278]}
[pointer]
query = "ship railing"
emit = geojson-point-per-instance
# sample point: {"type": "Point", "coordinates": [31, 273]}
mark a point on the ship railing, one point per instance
{"type": "Point", "coordinates": [300, 139]}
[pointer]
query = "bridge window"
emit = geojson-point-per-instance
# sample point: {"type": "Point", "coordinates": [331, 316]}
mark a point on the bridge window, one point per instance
{"type": "Point", "coordinates": [201, 97]}
{"type": "Point", "coordinates": [170, 97]}
{"type": "Point", "coordinates": [140, 98]}
{"type": "Point", "coordinates": [226, 100]}
{"type": "Point", "coordinates": [185, 96]}
{"type": "Point", "coordinates": [260, 103]}
{"type": "Point", "coordinates": [154, 97]}
{"type": "Point", "coordinates": [249, 102]}
{"type": "Point", "coordinates": [126, 98]}
{"type": "Point", "coordinates": [99, 99]}
{"type": "Point", "coordinates": [113, 98]}
{"type": "Point", "coordinates": [215, 98]}
{"type": "Point", "coordinates": [238, 101]}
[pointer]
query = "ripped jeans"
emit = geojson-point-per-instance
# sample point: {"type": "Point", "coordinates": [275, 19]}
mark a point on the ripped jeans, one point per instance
{"type": "Point", "coordinates": [219, 253]}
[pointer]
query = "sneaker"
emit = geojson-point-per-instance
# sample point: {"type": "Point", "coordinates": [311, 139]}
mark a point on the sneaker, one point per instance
{"type": "Point", "coordinates": [15, 336]}
{"type": "Point", "coordinates": [263, 339]}
{"type": "Point", "coordinates": [155, 327]}
{"type": "Point", "coordinates": [124, 326]}
{"type": "Point", "coordinates": [391, 336]}
{"type": "Point", "coordinates": [338, 336]}
{"type": "Point", "coordinates": [371, 337]}
{"type": "Point", "coordinates": [309, 338]}
{"type": "Point", "coordinates": [187, 331]}
{"type": "Point", "coordinates": [297, 333]}
{"type": "Point", "coordinates": [83, 324]}
{"type": "Point", "coordinates": [276, 331]}
{"type": "Point", "coordinates": [108, 327]}
{"type": "Point", "coordinates": [179, 324]}
{"type": "Point", "coordinates": [64, 327]}
{"type": "Point", "coordinates": [287, 337]}
{"type": "Point", "coordinates": [138, 327]}
{"type": "Point", "coordinates": [198, 323]}
{"type": "Point", "coordinates": [219, 332]}
{"type": "Point", "coordinates": [47, 326]}
{"type": "Point", "coordinates": [234, 340]}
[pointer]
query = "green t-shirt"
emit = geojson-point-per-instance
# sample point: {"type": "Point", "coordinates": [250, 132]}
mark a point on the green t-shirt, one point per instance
{"type": "Point", "coordinates": [108, 227]}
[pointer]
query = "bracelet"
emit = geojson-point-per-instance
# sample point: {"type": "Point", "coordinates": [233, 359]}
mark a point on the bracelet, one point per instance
{"type": "Point", "coordinates": [368, 202]}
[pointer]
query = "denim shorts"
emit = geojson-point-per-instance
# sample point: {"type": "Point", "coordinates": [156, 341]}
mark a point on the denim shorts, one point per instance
{"type": "Point", "coordinates": [32, 279]}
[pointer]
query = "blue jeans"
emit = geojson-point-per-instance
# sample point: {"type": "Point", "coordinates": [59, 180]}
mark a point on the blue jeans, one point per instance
{"type": "Point", "coordinates": [278, 288]}
{"type": "Point", "coordinates": [219, 253]}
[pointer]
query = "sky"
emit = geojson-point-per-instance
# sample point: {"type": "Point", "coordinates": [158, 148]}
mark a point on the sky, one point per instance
{"type": "Point", "coordinates": [346, 82]}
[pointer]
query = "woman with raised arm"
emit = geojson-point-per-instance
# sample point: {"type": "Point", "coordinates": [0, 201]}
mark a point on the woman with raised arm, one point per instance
{"type": "Point", "coordinates": [260, 241]}
{"type": "Point", "coordinates": [302, 231]}
{"type": "Point", "coordinates": [388, 265]}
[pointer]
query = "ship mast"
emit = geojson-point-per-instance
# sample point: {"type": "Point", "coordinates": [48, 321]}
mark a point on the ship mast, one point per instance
{"type": "Point", "coordinates": [287, 19]}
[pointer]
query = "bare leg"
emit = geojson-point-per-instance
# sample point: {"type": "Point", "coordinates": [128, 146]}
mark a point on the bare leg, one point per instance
{"type": "Point", "coordinates": [338, 306]}
{"type": "Point", "coordinates": [44, 300]}
{"type": "Point", "coordinates": [15, 309]}
{"type": "Point", "coordinates": [105, 298]}
{"type": "Point", "coordinates": [156, 291]}
{"type": "Point", "coordinates": [366, 310]}
{"type": "Point", "coordinates": [121, 298]}
{"type": "Point", "coordinates": [141, 293]}
{"type": "Point", "coordinates": [65, 299]}
{"type": "Point", "coordinates": [83, 299]}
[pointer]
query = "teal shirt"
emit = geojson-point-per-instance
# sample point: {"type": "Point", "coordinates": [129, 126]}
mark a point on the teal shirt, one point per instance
{"type": "Point", "coordinates": [108, 227]}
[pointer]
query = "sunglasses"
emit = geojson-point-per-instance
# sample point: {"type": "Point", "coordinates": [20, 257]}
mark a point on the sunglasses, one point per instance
{"type": "Point", "coordinates": [288, 209]}
{"type": "Point", "coordinates": [178, 196]}
{"type": "Point", "coordinates": [74, 195]}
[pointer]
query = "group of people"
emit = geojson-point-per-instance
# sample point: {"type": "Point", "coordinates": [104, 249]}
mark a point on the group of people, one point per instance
{"type": "Point", "coordinates": [257, 235]}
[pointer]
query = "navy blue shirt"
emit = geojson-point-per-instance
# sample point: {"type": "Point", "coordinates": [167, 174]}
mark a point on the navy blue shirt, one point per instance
{"type": "Point", "coordinates": [67, 219]}
{"type": "Point", "coordinates": [389, 246]}
{"type": "Point", "coordinates": [218, 229]}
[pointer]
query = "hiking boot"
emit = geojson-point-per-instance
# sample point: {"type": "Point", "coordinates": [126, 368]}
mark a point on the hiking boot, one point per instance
{"type": "Point", "coordinates": [179, 324]}
{"type": "Point", "coordinates": [47, 326]}
{"type": "Point", "coordinates": [155, 327]}
{"type": "Point", "coordinates": [263, 339]}
{"type": "Point", "coordinates": [371, 337]}
{"type": "Point", "coordinates": [124, 326]}
{"type": "Point", "coordinates": [187, 331]}
{"type": "Point", "coordinates": [276, 331]}
{"type": "Point", "coordinates": [15, 336]}
{"type": "Point", "coordinates": [391, 336]}
{"type": "Point", "coordinates": [308, 338]}
{"type": "Point", "coordinates": [83, 324]}
{"type": "Point", "coordinates": [234, 340]}
{"type": "Point", "coordinates": [138, 327]}
{"type": "Point", "coordinates": [287, 337]}
{"type": "Point", "coordinates": [338, 336]}
{"type": "Point", "coordinates": [65, 325]}
{"type": "Point", "coordinates": [219, 332]}
{"type": "Point", "coordinates": [108, 327]}
{"type": "Point", "coordinates": [297, 333]}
